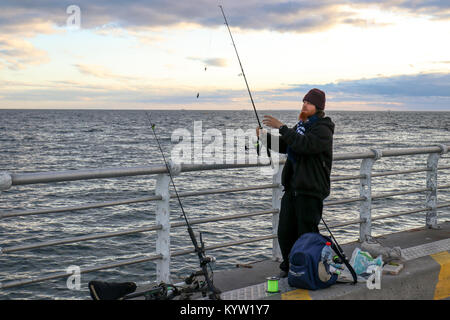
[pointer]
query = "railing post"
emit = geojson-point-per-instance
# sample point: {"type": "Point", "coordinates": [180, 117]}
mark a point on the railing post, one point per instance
{"type": "Point", "coordinates": [365, 191]}
{"type": "Point", "coordinates": [163, 235]}
{"type": "Point", "coordinates": [5, 180]}
{"type": "Point", "coordinates": [431, 195]}
{"type": "Point", "coordinates": [277, 194]}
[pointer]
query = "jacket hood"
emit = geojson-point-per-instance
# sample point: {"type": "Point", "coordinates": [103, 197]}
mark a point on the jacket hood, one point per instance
{"type": "Point", "coordinates": [326, 121]}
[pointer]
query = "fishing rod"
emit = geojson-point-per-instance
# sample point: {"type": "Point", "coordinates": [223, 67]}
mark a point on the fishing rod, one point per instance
{"type": "Point", "coordinates": [246, 83]}
{"type": "Point", "coordinates": [200, 250]}
{"type": "Point", "coordinates": [341, 253]}
{"type": "Point", "coordinates": [338, 247]}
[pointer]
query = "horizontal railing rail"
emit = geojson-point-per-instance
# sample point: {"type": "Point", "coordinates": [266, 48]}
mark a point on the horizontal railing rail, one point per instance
{"type": "Point", "coordinates": [117, 172]}
{"type": "Point", "coordinates": [130, 201]}
{"type": "Point", "coordinates": [215, 219]}
{"type": "Point", "coordinates": [131, 231]}
{"type": "Point", "coordinates": [365, 198]}
{"type": "Point", "coordinates": [201, 193]}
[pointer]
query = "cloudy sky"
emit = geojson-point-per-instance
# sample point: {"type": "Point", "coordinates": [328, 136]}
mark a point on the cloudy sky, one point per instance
{"type": "Point", "coordinates": [366, 54]}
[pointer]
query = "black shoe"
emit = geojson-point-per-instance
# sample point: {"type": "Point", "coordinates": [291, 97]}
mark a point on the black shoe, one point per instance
{"type": "Point", "coordinates": [100, 290]}
{"type": "Point", "coordinates": [283, 274]}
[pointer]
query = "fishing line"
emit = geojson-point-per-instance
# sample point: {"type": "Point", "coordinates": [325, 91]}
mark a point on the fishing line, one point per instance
{"type": "Point", "coordinates": [206, 58]}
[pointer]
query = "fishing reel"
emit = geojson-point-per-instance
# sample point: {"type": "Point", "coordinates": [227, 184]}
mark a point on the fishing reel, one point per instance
{"type": "Point", "coordinates": [205, 259]}
{"type": "Point", "coordinates": [195, 284]}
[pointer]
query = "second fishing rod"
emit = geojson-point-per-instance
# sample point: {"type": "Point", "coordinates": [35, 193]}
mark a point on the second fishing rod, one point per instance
{"type": "Point", "coordinates": [199, 249]}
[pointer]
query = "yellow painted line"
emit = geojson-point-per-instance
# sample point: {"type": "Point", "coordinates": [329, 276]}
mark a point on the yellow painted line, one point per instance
{"type": "Point", "coordinates": [299, 294]}
{"type": "Point", "coordinates": [442, 289]}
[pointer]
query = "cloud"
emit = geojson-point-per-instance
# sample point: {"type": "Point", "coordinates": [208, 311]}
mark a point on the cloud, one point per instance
{"type": "Point", "coordinates": [112, 95]}
{"type": "Point", "coordinates": [436, 9]}
{"type": "Point", "coordinates": [364, 23]}
{"type": "Point", "coordinates": [17, 54]}
{"type": "Point", "coordinates": [298, 16]}
{"type": "Point", "coordinates": [417, 85]}
{"type": "Point", "coordinates": [216, 62]}
{"type": "Point", "coordinates": [418, 91]}
{"type": "Point", "coordinates": [403, 92]}
{"type": "Point", "coordinates": [17, 25]}
{"type": "Point", "coordinates": [22, 20]}
{"type": "Point", "coordinates": [212, 62]}
{"type": "Point", "coordinates": [101, 72]}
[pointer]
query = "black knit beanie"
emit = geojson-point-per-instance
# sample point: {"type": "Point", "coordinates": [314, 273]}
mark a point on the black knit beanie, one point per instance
{"type": "Point", "coordinates": [316, 97]}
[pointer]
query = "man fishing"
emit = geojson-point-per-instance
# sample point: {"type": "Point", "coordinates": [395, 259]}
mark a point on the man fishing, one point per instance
{"type": "Point", "coordinates": [306, 174]}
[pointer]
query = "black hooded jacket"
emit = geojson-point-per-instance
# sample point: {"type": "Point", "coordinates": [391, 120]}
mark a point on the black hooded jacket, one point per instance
{"type": "Point", "coordinates": [310, 173]}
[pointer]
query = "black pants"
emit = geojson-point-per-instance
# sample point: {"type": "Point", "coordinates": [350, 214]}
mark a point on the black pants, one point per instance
{"type": "Point", "coordinates": [299, 214]}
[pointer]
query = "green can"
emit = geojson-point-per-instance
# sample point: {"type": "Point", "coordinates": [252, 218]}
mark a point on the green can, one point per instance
{"type": "Point", "coordinates": [272, 284]}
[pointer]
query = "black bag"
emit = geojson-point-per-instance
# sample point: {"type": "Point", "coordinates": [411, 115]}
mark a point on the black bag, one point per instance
{"type": "Point", "coordinates": [100, 290]}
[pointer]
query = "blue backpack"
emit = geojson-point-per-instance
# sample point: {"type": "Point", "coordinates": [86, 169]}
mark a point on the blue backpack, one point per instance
{"type": "Point", "coordinates": [304, 261]}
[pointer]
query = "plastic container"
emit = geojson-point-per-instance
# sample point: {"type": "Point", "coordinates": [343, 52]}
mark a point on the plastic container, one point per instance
{"type": "Point", "coordinates": [327, 253]}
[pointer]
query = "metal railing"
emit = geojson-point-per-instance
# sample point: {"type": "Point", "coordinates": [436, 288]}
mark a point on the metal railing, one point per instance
{"type": "Point", "coordinates": [163, 225]}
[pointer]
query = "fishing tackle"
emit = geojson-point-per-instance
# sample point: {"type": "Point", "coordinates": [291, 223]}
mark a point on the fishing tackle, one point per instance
{"type": "Point", "coordinates": [100, 290]}
{"type": "Point", "coordinates": [258, 145]}
{"type": "Point", "coordinates": [200, 250]}
{"type": "Point", "coordinates": [341, 255]}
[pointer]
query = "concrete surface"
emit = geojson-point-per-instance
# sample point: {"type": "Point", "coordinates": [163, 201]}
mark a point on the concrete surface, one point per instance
{"type": "Point", "coordinates": [427, 277]}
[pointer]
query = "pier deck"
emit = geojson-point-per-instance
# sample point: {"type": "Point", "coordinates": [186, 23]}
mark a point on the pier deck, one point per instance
{"type": "Point", "coordinates": [426, 273]}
